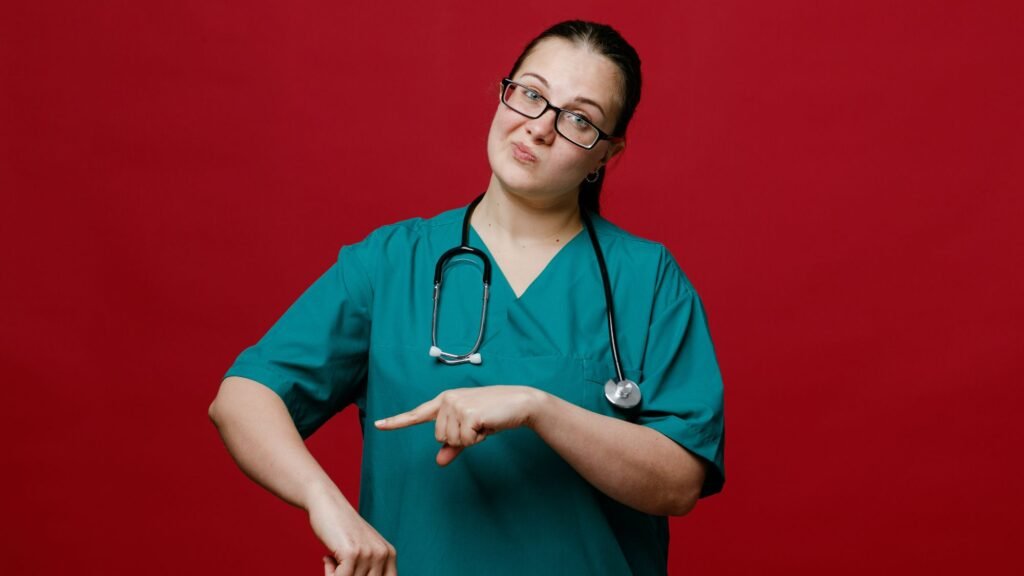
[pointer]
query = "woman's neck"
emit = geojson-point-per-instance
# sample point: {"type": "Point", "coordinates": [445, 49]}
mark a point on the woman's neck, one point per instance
{"type": "Point", "coordinates": [528, 221]}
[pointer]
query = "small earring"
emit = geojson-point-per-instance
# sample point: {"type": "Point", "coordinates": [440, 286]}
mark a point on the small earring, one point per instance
{"type": "Point", "coordinates": [596, 176]}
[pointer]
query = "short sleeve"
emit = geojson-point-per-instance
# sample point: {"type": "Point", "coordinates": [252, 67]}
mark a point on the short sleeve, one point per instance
{"type": "Point", "coordinates": [315, 356]}
{"type": "Point", "coordinates": [682, 384]}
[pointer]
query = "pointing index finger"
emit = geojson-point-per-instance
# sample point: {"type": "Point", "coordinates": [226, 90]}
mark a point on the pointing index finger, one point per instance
{"type": "Point", "coordinates": [423, 413]}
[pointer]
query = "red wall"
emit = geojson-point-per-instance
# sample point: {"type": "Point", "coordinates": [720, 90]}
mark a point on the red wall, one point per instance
{"type": "Point", "coordinates": [841, 181]}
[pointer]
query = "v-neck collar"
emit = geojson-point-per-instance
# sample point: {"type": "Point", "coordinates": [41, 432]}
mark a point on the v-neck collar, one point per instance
{"type": "Point", "coordinates": [478, 242]}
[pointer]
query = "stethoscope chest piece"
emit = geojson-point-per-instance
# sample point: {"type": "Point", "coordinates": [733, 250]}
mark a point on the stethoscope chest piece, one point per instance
{"type": "Point", "coordinates": [623, 394]}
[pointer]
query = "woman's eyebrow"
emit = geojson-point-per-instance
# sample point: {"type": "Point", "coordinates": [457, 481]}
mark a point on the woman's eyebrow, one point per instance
{"type": "Point", "coordinates": [538, 77]}
{"type": "Point", "coordinates": [579, 99]}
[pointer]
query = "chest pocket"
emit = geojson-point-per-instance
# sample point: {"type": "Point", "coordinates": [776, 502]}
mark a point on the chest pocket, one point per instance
{"type": "Point", "coordinates": [597, 370]}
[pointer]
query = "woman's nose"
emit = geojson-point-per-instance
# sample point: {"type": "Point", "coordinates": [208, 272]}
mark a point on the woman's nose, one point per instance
{"type": "Point", "coordinates": [542, 128]}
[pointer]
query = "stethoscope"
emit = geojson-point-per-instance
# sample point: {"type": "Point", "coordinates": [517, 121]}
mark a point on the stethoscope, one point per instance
{"type": "Point", "coordinates": [620, 391]}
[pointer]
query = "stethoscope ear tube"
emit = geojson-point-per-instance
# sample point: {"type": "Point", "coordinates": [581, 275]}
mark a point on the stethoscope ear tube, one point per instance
{"type": "Point", "coordinates": [461, 251]}
{"type": "Point", "coordinates": [464, 249]}
{"type": "Point", "coordinates": [473, 357]}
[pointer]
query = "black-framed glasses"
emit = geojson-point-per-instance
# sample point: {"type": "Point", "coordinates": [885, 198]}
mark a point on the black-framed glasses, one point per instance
{"type": "Point", "coordinates": [569, 125]}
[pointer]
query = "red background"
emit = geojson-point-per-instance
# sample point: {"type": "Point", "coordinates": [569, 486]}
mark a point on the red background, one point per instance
{"type": "Point", "coordinates": [841, 181]}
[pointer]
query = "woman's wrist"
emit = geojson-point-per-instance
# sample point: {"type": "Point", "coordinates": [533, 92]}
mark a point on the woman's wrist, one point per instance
{"type": "Point", "coordinates": [322, 492]}
{"type": "Point", "coordinates": [541, 406]}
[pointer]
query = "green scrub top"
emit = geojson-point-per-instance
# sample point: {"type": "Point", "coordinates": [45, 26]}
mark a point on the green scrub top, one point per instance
{"type": "Point", "coordinates": [509, 505]}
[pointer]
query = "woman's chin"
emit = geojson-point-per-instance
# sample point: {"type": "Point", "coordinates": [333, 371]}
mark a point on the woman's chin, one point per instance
{"type": "Point", "coordinates": [525, 184]}
{"type": "Point", "coordinates": [524, 188]}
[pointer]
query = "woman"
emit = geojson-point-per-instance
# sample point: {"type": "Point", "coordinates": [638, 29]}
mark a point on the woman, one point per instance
{"type": "Point", "coordinates": [535, 462]}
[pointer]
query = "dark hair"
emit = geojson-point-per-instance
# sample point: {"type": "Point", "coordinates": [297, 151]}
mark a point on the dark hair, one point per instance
{"type": "Point", "coordinates": [606, 41]}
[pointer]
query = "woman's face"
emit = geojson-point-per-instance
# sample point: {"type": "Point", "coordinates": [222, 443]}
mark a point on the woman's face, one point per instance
{"type": "Point", "coordinates": [528, 158]}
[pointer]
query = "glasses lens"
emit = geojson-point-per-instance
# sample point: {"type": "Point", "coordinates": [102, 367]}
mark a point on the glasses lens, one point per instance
{"type": "Point", "coordinates": [577, 129]}
{"type": "Point", "coordinates": [523, 100]}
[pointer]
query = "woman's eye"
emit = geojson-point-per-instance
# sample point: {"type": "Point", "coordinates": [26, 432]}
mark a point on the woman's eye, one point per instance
{"type": "Point", "coordinates": [579, 121]}
{"type": "Point", "coordinates": [532, 95]}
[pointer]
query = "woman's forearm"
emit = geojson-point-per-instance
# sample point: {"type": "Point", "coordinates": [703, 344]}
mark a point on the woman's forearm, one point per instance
{"type": "Point", "coordinates": [633, 464]}
{"type": "Point", "coordinates": [260, 435]}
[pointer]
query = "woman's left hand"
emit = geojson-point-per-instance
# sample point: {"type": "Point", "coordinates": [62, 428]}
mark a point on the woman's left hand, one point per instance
{"type": "Point", "coordinates": [466, 416]}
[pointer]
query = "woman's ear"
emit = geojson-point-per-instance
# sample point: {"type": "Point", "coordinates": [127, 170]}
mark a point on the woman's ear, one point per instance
{"type": "Point", "coordinates": [614, 150]}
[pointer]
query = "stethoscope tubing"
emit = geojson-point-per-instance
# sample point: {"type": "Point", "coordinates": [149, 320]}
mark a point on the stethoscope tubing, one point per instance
{"type": "Point", "coordinates": [607, 292]}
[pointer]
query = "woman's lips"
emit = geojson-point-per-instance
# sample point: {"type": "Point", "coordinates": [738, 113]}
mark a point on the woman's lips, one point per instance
{"type": "Point", "coordinates": [522, 153]}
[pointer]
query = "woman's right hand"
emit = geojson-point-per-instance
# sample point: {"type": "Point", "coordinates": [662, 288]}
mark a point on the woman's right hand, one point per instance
{"type": "Point", "coordinates": [356, 548]}
{"type": "Point", "coordinates": [261, 436]}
